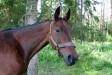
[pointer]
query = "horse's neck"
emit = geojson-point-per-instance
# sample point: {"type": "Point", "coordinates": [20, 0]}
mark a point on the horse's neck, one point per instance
{"type": "Point", "coordinates": [33, 38]}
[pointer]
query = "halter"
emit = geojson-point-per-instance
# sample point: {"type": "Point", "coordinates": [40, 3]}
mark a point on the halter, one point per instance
{"type": "Point", "coordinates": [63, 45]}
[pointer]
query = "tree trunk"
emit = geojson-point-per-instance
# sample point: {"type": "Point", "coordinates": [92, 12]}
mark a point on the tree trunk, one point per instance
{"type": "Point", "coordinates": [111, 9]}
{"type": "Point", "coordinates": [31, 11]}
{"type": "Point", "coordinates": [30, 18]}
{"type": "Point", "coordinates": [102, 20]}
{"type": "Point", "coordinates": [81, 20]}
{"type": "Point", "coordinates": [102, 16]}
{"type": "Point", "coordinates": [61, 6]}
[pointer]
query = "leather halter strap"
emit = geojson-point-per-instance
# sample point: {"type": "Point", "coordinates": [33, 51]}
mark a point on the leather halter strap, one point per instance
{"type": "Point", "coordinates": [63, 45]}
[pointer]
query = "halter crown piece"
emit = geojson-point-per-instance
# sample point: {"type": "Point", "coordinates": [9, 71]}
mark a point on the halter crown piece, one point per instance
{"type": "Point", "coordinates": [58, 46]}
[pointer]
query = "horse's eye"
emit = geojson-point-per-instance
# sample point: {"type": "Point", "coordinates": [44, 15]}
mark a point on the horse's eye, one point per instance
{"type": "Point", "coordinates": [57, 30]}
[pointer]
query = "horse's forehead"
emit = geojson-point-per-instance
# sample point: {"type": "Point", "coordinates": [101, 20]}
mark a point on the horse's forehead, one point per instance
{"type": "Point", "coordinates": [62, 23]}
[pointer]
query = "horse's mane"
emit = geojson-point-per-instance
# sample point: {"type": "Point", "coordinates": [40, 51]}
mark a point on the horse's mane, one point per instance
{"type": "Point", "coordinates": [23, 26]}
{"type": "Point", "coordinates": [6, 29]}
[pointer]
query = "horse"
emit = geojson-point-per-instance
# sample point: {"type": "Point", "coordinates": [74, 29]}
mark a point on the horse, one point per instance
{"type": "Point", "coordinates": [19, 45]}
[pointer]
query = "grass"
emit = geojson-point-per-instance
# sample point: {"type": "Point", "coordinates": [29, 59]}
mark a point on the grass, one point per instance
{"type": "Point", "coordinates": [95, 58]}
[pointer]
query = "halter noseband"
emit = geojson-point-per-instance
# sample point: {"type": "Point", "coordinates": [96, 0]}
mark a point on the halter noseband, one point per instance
{"type": "Point", "coordinates": [58, 46]}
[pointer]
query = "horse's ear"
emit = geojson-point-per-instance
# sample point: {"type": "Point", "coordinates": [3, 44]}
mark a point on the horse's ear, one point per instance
{"type": "Point", "coordinates": [67, 15]}
{"type": "Point", "coordinates": [57, 13]}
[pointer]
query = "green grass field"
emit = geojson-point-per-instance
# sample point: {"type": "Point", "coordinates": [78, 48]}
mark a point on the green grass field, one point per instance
{"type": "Point", "coordinates": [95, 58]}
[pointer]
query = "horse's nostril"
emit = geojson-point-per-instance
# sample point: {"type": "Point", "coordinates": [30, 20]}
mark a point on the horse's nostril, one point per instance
{"type": "Point", "coordinates": [71, 59]}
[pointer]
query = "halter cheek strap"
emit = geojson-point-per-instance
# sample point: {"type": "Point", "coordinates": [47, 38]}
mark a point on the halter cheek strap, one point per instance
{"type": "Point", "coordinates": [63, 45]}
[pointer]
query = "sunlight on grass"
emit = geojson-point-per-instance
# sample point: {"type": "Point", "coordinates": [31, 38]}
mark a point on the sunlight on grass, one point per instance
{"type": "Point", "coordinates": [93, 73]}
{"type": "Point", "coordinates": [104, 52]}
{"type": "Point", "coordinates": [107, 56]}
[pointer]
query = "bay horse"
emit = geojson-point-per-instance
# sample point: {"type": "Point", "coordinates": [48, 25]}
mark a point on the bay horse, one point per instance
{"type": "Point", "coordinates": [18, 46]}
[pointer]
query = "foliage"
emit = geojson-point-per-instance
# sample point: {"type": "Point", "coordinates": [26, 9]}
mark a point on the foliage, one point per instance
{"type": "Point", "coordinates": [10, 12]}
{"type": "Point", "coordinates": [109, 28]}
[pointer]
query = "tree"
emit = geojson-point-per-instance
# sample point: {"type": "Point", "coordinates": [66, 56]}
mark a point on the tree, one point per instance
{"type": "Point", "coordinates": [111, 8]}
{"type": "Point", "coordinates": [81, 18]}
{"type": "Point", "coordinates": [30, 18]}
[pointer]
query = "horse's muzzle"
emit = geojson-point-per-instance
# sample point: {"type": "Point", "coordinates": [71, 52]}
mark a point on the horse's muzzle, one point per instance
{"type": "Point", "coordinates": [70, 60]}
